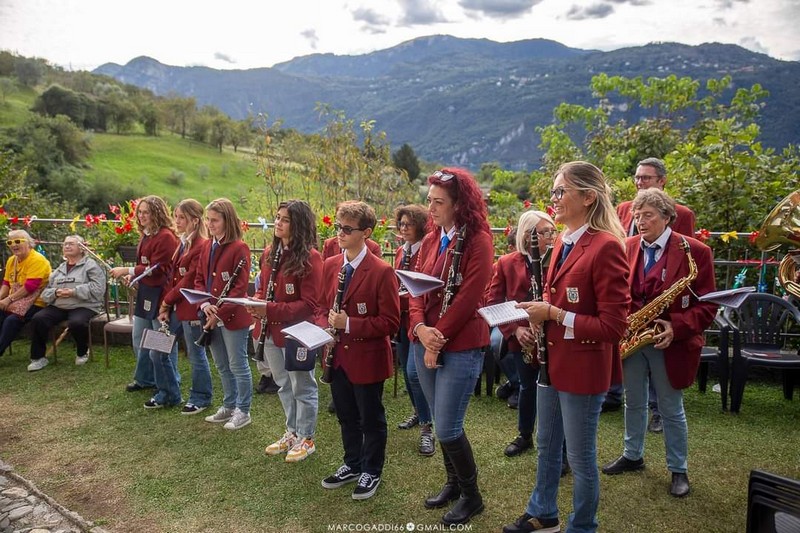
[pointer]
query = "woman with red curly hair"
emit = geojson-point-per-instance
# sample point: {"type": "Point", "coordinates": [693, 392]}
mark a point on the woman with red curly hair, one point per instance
{"type": "Point", "coordinates": [447, 344]}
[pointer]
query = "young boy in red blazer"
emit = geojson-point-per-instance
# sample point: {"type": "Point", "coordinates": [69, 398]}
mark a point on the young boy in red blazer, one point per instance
{"type": "Point", "coordinates": [368, 317]}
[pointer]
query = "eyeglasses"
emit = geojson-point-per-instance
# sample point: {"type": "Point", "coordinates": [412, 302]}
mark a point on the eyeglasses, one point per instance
{"type": "Point", "coordinates": [9, 242]}
{"type": "Point", "coordinates": [347, 230]}
{"type": "Point", "coordinates": [404, 225]}
{"type": "Point", "coordinates": [644, 178]}
{"type": "Point", "coordinates": [558, 192]}
{"type": "Point", "coordinates": [548, 233]}
{"type": "Point", "coordinates": [68, 244]}
{"type": "Point", "coordinates": [443, 176]}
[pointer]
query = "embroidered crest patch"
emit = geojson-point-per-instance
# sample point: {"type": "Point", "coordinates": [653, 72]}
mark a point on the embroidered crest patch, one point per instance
{"type": "Point", "coordinates": [362, 309]}
{"type": "Point", "coordinates": [225, 275]}
{"type": "Point", "coordinates": [147, 305]}
{"type": "Point", "coordinates": [290, 288]}
{"type": "Point", "coordinates": [685, 301]}
{"type": "Point", "coordinates": [302, 353]}
{"type": "Point", "coordinates": [572, 295]}
{"type": "Point", "coordinates": [182, 271]}
{"type": "Point", "coordinates": [144, 260]}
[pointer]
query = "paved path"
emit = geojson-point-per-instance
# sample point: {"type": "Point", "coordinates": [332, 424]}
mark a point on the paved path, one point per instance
{"type": "Point", "coordinates": [26, 509]}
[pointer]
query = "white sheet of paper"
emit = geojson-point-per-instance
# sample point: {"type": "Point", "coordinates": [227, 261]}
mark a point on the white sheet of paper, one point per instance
{"type": "Point", "coordinates": [418, 283]}
{"type": "Point", "coordinates": [195, 297]}
{"type": "Point", "coordinates": [143, 274]}
{"type": "Point", "coordinates": [245, 301]}
{"type": "Point", "coordinates": [729, 298]}
{"type": "Point", "coordinates": [309, 335]}
{"type": "Point", "coordinates": [502, 313]}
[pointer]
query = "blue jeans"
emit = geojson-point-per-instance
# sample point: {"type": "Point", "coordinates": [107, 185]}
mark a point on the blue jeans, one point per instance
{"type": "Point", "coordinates": [526, 410]}
{"type": "Point", "coordinates": [144, 374]}
{"type": "Point", "coordinates": [507, 365]}
{"type": "Point", "coordinates": [636, 368]}
{"type": "Point", "coordinates": [165, 371]}
{"type": "Point", "coordinates": [449, 388]}
{"type": "Point", "coordinates": [298, 392]}
{"type": "Point", "coordinates": [574, 416]}
{"type": "Point", "coordinates": [201, 391]}
{"type": "Point", "coordinates": [411, 378]}
{"type": "Point", "coordinates": [229, 350]}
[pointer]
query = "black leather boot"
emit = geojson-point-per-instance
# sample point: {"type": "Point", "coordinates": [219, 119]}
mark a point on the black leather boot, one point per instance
{"type": "Point", "coordinates": [450, 491]}
{"type": "Point", "coordinates": [470, 503]}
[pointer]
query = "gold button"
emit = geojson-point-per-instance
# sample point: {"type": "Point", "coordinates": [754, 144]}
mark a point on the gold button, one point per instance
{"type": "Point", "coordinates": [549, 343]}
{"type": "Point", "coordinates": [553, 290]}
{"type": "Point", "coordinates": [346, 346]}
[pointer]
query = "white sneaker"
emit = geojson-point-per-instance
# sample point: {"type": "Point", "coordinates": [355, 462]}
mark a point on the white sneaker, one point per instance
{"type": "Point", "coordinates": [38, 364]}
{"type": "Point", "coordinates": [302, 449]}
{"type": "Point", "coordinates": [222, 415]}
{"type": "Point", "coordinates": [82, 359]}
{"type": "Point", "coordinates": [239, 420]}
{"type": "Point", "coordinates": [282, 445]}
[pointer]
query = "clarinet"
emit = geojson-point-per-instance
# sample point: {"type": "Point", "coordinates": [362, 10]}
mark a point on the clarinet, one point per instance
{"type": "Point", "coordinates": [404, 264]}
{"type": "Point", "coordinates": [205, 337]}
{"type": "Point", "coordinates": [327, 371]}
{"type": "Point", "coordinates": [536, 296]}
{"type": "Point", "coordinates": [453, 280]}
{"type": "Point", "coordinates": [262, 338]}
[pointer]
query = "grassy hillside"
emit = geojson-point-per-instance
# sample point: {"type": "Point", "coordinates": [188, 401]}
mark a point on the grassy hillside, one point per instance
{"type": "Point", "coordinates": [170, 167]}
{"type": "Point", "coordinates": [15, 110]}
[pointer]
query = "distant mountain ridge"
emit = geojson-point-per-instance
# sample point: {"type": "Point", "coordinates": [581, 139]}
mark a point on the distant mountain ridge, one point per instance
{"type": "Point", "coordinates": [464, 101]}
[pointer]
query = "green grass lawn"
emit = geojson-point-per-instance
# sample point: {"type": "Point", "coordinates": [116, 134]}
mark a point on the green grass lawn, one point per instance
{"type": "Point", "coordinates": [81, 438]}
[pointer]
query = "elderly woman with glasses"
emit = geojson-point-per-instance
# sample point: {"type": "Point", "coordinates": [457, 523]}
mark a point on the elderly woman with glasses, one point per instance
{"type": "Point", "coordinates": [447, 333]}
{"type": "Point", "coordinates": [26, 275]}
{"type": "Point", "coordinates": [74, 293]}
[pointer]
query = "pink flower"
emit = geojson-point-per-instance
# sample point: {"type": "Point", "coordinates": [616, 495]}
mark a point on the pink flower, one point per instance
{"type": "Point", "coordinates": [526, 204]}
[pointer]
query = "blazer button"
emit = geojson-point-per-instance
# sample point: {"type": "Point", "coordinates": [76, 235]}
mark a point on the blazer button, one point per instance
{"type": "Point", "coordinates": [552, 290]}
{"type": "Point", "coordinates": [549, 343]}
{"type": "Point", "coordinates": [346, 346]}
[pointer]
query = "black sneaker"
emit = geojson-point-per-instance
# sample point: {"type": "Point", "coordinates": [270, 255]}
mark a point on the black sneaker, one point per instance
{"type": "Point", "coordinates": [192, 409]}
{"type": "Point", "coordinates": [331, 407]}
{"type": "Point", "coordinates": [343, 476]}
{"type": "Point", "coordinates": [133, 387]}
{"type": "Point", "coordinates": [656, 424]}
{"type": "Point", "coordinates": [518, 445]}
{"type": "Point", "coordinates": [513, 400]}
{"type": "Point", "coordinates": [366, 487]}
{"type": "Point", "coordinates": [504, 391]}
{"type": "Point", "coordinates": [527, 522]}
{"type": "Point", "coordinates": [152, 404]}
{"type": "Point", "coordinates": [409, 422]}
{"type": "Point", "coordinates": [427, 442]}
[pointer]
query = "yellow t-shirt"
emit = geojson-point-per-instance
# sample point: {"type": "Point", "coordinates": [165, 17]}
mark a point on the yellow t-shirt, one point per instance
{"type": "Point", "coordinates": [35, 266]}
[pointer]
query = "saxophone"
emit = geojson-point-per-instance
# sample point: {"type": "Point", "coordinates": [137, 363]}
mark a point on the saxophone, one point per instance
{"type": "Point", "coordinates": [641, 327]}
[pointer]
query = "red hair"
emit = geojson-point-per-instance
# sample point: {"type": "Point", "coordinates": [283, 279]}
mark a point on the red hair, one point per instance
{"type": "Point", "coordinates": [468, 198]}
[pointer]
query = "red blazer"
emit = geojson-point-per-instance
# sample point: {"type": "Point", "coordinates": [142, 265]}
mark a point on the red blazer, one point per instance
{"type": "Point", "coordinates": [371, 302]}
{"type": "Point", "coordinates": [683, 224]}
{"type": "Point", "coordinates": [689, 316]}
{"type": "Point", "coordinates": [510, 281]}
{"type": "Point", "coordinates": [296, 297]}
{"type": "Point", "coordinates": [184, 271]}
{"type": "Point", "coordinates": [593, 283]}
{"type": "Point", "coordinates": [412, 265]}
{"type": "Point", "coordinates": [461, 324]}
{"type": "Point", "coordinates": [154, 249]}
{"type": "Point", "coordinates": [331, 247]}
{"type": "Point", "coordinates": [225, 260]}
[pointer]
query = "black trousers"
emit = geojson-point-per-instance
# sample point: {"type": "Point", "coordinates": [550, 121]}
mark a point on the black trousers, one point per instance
{"type": "Point", "coordinates": [11, 325]}
{"type": "Point", "coordinates": [362, 418]}
{"type": "Point", "coordinates": [77, 322]}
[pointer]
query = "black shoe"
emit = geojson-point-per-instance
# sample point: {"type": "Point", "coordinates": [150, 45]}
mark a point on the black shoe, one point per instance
{"type": "Point", "coordinates": [366, 486]}
{"type": "Point", "coordinates": [133, 387]}
{"type": "Point", "coordinates": [427, 442]}
{"type": "Point", "coordinates": [450, 491]}
{"type": "Point", "coordinates": [622, 464]}
{"type": "Point", "coordinates": [609, 406]}
{"type": "Point", "coordinates": [680, 485]}
{"type": "Point", "coordinates": [266, 385]}
{"type": "Point", "coordinates": [527, 523]}
{"type": "Point", "coordinates": [409, 422]}
{"type": "Point", "coordinates": [342, 476]}
{"type": "Point", "coordinates": [513, 400]}
{"type": "Point", "coordinates": [331, 407]}
{"type": "Point", "coordinates": [518, 445]}
{"type": "Point", "coordinates": [470, 502]}
{"type": "Point", "coordinates": [504, 391]}
{"type": "Point", "coordinates": [656, 425]}
{"type": "Point", "coordinates": [152, 404]}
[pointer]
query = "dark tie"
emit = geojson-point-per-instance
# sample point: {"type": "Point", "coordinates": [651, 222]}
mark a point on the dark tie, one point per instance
{"type": "Point", "coordinates": [650, 253]}
{"type": "Point", "coordinates": [565, 250]}
{"type": "Point", "coordinates": [445, 243]}
{"type": "Point", "coordinates": [180, 250]}
{"type": "Point", "coordinates": [348, 275]}
{"type": "Point", "coordinates": [633, 230]}
{"type": "Point", "coordinates": [209, 278]}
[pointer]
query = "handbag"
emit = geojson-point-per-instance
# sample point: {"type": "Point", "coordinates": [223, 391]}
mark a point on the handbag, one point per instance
{"type": "Point", "coordinates": [298, 357]}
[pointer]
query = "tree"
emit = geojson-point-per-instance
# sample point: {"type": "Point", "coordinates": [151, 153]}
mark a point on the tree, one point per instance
{"type": "Point", "coordinates": [121, 112]}
{"type": "Point", "coordinates": [179, 113]}
{"type": "Point", "coordinates": [241, 134]}
{"type": "Point", "coordinates": [7, 87]}
{"type": "Point", "coordinates": [220, 131]}
{"type": "Point", "coordinates": [28, 71]}
{"type": "Point", "coordinates": [405, 159]}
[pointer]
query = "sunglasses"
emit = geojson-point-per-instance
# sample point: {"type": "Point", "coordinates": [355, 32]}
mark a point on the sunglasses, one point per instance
{"type": "Point", "coordinates": [347, 230]}
{"type": "Point", "coordinates": [9, 242]}
{"type": "Point", "coordinates": [443, 176]}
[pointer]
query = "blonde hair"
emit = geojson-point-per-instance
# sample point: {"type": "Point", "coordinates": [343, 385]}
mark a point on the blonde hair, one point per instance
{"type": "Point", "coordinates": [527, 221]}
{"type": "Point", "coordinates": [585, 177]}
{"type": "Point", "coordinates": [193, 209]}
{"type": "Point", "coordinates": [233, 225]}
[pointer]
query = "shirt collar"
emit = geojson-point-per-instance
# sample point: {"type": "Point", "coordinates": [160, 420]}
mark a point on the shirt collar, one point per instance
{"type": "Point", "coordinates": [357, 261]}
{"type": "Point", "coordinates": [662, 240]}
{"type": "Point", "coordinates": [572, 238]}
{"type": "Point", "coordinates": [450, 234]}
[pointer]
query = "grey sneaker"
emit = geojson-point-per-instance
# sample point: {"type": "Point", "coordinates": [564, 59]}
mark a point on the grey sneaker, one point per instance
{"type": "Point", "coordinates": [82, 359]}
{"type": "Point", "coordinates": [222, 415]}
{"type": "Point", "coordinates": [38, 364]}
{"type": "Point", "coordinates": [238, 420]}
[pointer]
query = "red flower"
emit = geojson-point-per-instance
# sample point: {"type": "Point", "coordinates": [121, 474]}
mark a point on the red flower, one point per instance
{"type": "Point", "coordinates": [119, 230]}
{"type": "Point", "coordinates": [15, 220]}
{"type": "Point", "coordinates": [245, 226]}
{"type": "Point", "coordinates": [702, 234]}
{"type": "Point", "coordinates": [2, 211]}
{"type": "Point", "coordinates": [113, 208]}
{"type": "Point", "coordinates": [327, 221]}
{"type": "Point", "coordinates": [526, 204]}
{"type": "Point", "coordinates": [89, 219]}
{"type": "Point", "coordinates": [752, 238]}
{"type": "Point", "coordinates": [551, 211]}
{"type": "Point", "coordinates": [27, 220]}
{"type": "Point", "coordinates": [127, 227]}
{"type": "Point", "coordinates": [507, 230]}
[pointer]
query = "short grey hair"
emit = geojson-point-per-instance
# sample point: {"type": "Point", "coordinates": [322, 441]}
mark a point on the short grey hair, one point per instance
{"type": "Point", "coordinates": [659, 200]}
{"type": "Point", "coordinates": [656, 163]}
{"type": "Point", "coordinates": [22, 234]}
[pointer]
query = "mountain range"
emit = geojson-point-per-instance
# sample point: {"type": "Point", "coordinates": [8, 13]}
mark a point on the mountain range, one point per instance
{"type": "Point", "coordinates": [465, 101]}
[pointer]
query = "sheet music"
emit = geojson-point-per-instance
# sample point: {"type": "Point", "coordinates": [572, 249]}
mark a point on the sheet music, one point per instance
{"type": "Point", "coordinates": [729, 298]}
{"type": "Point", "coordinates": [245, 301]}
{"type": "Point", "coordinates": [309, 335]}
{"type": "Point", "coordinates": [417, 283]}
{"type": "Point", "coordinates": [502, 313]}
{"type": "Point", "coordinates": [143, 274]}
{"type": "Point", "coordinates": [195, 297]}
{"type": "Point", "coordinates": [157, 340]}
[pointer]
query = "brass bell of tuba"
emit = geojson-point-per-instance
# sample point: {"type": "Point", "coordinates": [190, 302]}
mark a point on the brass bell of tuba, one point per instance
{"type": "Point", "coordinates": [782, 227]}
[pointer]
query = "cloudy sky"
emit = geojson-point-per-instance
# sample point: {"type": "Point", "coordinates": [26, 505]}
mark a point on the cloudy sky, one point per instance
{"type": "Point", "coordinates": [82, 34]}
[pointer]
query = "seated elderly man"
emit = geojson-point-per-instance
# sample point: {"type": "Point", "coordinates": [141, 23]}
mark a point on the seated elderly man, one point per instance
{"type": "Point", "coordinates": [75, 294]}
{"type": "Point", "coordinates": [26, 275]}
